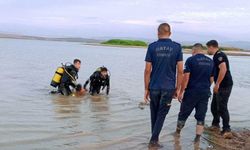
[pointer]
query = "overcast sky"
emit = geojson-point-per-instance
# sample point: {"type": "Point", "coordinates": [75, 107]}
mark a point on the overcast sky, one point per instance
{"type": "Point", "coordinates": [190, 19]}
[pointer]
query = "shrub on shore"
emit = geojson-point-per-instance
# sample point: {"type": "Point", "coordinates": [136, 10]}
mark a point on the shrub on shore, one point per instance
{"type": "Point", "coordinates": [125, 42]}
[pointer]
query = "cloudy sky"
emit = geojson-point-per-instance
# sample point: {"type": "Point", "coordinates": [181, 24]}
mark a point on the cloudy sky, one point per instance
{"type": "Point", "coordinates": [190, 19]}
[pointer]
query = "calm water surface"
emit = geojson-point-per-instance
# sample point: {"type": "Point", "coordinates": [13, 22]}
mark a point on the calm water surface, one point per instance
{"type": "Point", "coordinates": [31, 118]}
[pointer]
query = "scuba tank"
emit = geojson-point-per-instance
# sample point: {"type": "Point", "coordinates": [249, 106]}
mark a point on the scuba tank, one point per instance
{"type": "Point", "coordinates": [56, 80]}
{"type": "Point", "coordinates": [57, 77]}
{"type": "Point", "coordinates": [98, 69]}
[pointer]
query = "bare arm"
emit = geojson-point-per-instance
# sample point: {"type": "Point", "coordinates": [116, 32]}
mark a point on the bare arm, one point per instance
{"type": "Point", "coordinates": [184, 84]}
{"type": "Point", "coordinates": [147, 72]}
{"type": "Point", "coordinates": [222, 73]}
{"type": "Point", "coordinates": [179, 75]}
{"type": "Point", "coordinates": [185, 81]}
{"type": "Point", "coordinates": [179, 78]}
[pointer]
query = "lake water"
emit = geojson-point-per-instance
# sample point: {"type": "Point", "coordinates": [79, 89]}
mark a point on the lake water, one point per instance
{"type": "Point", "coordinates": [31, 118]}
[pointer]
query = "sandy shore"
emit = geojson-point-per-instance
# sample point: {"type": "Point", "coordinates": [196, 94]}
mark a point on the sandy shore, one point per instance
{"type": "Point", "coordinates": [185, 51]}
{"type": "Point", "coordinates": [240, 140]}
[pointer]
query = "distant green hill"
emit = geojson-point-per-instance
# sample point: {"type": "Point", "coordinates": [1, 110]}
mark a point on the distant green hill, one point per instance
{"type": "Point", "coordinates": [125, 42]}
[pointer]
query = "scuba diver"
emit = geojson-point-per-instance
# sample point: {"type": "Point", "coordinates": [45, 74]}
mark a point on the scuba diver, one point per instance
{"type": "Point", "coordinates": [100, 79]}
{"type": "Point", "coordinates": [65, 78]}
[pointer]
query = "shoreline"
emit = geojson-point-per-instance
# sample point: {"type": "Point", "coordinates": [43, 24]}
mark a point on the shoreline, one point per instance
{"type": "Point", "coordinates": [118, 46]}
{"type": "Point", "coordinates": [185, 51]}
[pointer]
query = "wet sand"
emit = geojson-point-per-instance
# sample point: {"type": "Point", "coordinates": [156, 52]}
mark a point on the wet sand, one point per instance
{"type": "Point", "coordinates": [240, 140]}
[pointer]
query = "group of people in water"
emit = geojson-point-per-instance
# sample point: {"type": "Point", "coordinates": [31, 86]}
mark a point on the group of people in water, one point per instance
{"type": "Point", "coordinates": [65, 80]}
{"type": "Point", "coordinates": [165, 79]}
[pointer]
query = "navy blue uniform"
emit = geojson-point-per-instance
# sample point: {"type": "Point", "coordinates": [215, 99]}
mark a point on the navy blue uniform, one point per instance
{"type": "Point", "coordinates": [220, 100]}
{"type": "Point", "coordinates": [197, 92]}
{"type": "Point", "coordinates": [164, 55]}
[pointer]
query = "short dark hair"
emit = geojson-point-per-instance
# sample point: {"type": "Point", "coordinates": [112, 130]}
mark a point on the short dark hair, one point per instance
{"type": "Point", "coordinates": [164, 28]}
{"type": "Point", "coordinates": [212, 43]}
{"type": "Point", "coordinates": [197, 46]}
{"type": "Point", "coordinates": [77, 60]}
{"type": "Point", "coordinates": [104, 69]}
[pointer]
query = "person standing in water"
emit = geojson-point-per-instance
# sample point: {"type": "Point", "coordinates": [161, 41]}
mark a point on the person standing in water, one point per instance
{"type": "Point", "coordinates": [164, 57]}
{"type": "Point", "coordinates": [198, 76]}
{"type": "Point", "coordinates": [222, 89]}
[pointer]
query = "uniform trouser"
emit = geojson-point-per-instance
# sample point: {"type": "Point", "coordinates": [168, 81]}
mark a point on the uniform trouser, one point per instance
{"type": "Point", "coordinates": [64, 90]}
{"type": "Point", "coordinates": [160, 102]}
{"type": "Point", "coordinates": [219, 107]}
{"type": "Point", "coordinates": [197, 100]}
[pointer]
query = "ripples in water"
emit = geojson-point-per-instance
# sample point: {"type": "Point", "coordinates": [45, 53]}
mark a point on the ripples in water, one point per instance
{"type": "Point", "coordinates": [31, 118]}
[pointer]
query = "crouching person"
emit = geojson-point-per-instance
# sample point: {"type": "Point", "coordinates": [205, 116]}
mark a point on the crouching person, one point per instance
{"type": "Point", "coordinates": [99, 80]}
{"type": "Point", "coordinates": [69, 78]}
{"type": "Point", "coordinates": [196, 85]}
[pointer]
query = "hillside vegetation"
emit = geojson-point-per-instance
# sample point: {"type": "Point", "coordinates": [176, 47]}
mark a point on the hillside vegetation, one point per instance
{"type": "Point", "coordinates": [125, 42]}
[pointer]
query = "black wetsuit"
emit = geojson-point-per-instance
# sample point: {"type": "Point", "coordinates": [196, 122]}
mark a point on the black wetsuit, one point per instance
{"type": "Point", "coordinates": [97, 81]}
{"type": "Point", "coordinates": [67, 81]}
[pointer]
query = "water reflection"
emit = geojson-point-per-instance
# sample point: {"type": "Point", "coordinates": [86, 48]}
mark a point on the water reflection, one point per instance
{"type": "Point", "coordinates": [99, 108]}
{"type": "Point", "coordinates": [99, 103]}
{"type": "Point", "coordinates": [31, 118]}
{"type": "Point", "coordinates": [66, 106]}
{"type": "Point", "coordinates": [178, 144]}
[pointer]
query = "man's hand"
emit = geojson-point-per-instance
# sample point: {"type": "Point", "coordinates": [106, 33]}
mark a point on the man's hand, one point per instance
{"type": "Point", "coordinates": [216, 88]}
{"type": "Point", "coordinates": [176, 94]}
{"type": "Point", "coordinates": [180, 97]}
{"type": "Point", "coordinates": [146, 96]}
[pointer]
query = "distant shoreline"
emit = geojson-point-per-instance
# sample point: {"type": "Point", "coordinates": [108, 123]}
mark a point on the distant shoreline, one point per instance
{"type": "Point", "coordinates": [40, 38]}
{"type": "Point", "coordinates": [185, 50]}
{"type": "Point", "coordinates": [93, 42]}
{"type": "Point", "coordinates": [111, 45]}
